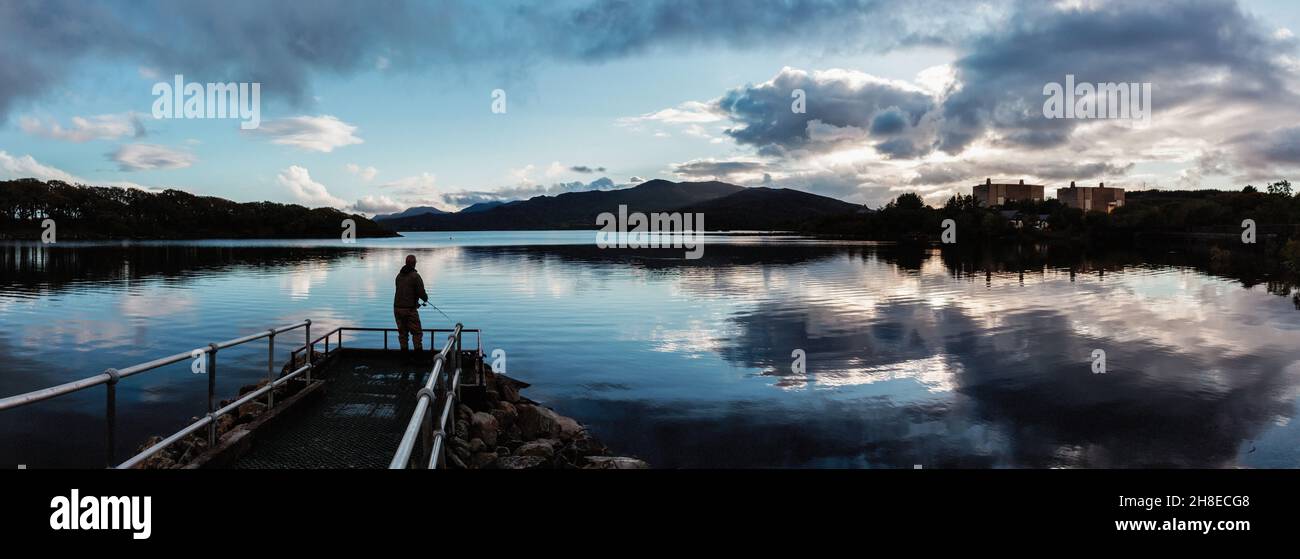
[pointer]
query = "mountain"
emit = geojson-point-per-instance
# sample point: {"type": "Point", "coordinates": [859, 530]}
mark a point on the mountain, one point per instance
{"type": "Point", "coordinates": [410, 212]}
{"type": "Point", "coordinates": [482, 206]}
{"type": "Point", "coordinates": [726, 206]}
{"type": "Point", "coordinates": [769, 209]}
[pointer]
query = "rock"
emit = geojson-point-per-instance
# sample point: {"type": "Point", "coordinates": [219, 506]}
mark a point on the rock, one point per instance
{"type": "Point", "coordinates": [615, 463]}
{"type": "Point", "coordinates": [482, 459]}
{"type": "Point", "coordinates": [476, 445]}
{"type": "Point", "coordinates": [521, 463]}
{"type": "Point", "coordinates": [224, 424]}
{"type": "Point", "coordinates": [503, 451]}
{"type": "Point", "coordinates": [540, 447]}
{"type": "Point", "coordinates": [462, 427]}
{"type": "Point", "coordinates": [508, 390]}
{"type": "Point", "coordinates": [506, 414]}
{"type": "Point", "coordinates": [569, 427]}
{"type": "Point", "coordinates": [251, 410]}
{"type": "Point", "coordinates": [484, 426]}
{"type": "Point", "coordinates": [463, 412]}
{"type": "Point", "coordinates": [537, 422]}
{"type": "Point", "coordinates": [585, 445]}
{"type": "Point", "coordinates": [456, 462]}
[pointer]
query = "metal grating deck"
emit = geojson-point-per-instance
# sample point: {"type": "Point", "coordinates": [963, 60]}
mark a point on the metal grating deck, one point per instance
{"type": "Point", "coordinates": [357, 423]}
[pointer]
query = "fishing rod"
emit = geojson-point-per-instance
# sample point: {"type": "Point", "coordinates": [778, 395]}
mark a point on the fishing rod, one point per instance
{"type": "Point", "coordinates": [428, 304]}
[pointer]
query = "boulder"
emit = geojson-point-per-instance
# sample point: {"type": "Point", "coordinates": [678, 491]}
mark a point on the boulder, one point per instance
{"type": "Point", "coordinates": [521, 463]}
{"type": "Point", "coordinates": [484, 426]}
{"type": "Point", "coordinates": [506, 413]}
{"type": "Point", "coordinates": [569, 427]}
{"type": "Point", "coordinates": [476, 445]}
{"type": "Point", "coordinates": [540, 447]}
{"type": "Point", "coordinates": [537, 422]}
{"type": "Point", "coordinates": [482, 459]}
{"type": "Point", "coordinates": [615, 463]}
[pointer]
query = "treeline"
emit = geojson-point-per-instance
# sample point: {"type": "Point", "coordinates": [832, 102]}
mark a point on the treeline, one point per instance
{"type": "Point", "coordinates": [96, 213]}
{"type": "Point", "coordinates": [1200, 214]}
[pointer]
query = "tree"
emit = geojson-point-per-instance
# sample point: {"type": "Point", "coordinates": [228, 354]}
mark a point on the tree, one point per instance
{"type": "Point", "coordinates": [1282, 187]}
{"type": "Point", "coordinates": [1250, 188]}
{"type": "Point", "coordinates": [910, 201]}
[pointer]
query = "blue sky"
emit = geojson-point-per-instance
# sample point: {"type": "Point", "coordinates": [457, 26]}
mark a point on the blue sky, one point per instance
{"type": "Point", "coordinates": [377, 107]}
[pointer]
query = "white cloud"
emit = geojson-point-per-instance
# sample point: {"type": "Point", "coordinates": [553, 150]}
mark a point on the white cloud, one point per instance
{"type": "Point", "coordinates": [27, 167]}
{"type": "Point", "coordinates": [690, 112]}
{"type": "Point", "coordinates": [307, 191]}
{"type": "Point", "coordinates": [23, 167]}
{"type": "Point", "coordinates": [422, 183]}
{"type": "Point", "coordinates": [366, 173]}
{"type": "Point", "coordinates": [372, 205]}
{"type": "Point", "coordinates": [313, 133]}
{"type": "Point", "coordinates": [143, 157]}
{"type": "Point", "coordinates": [85, 129]}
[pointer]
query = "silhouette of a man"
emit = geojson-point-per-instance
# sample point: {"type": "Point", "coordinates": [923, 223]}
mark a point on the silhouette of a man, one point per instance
{"type": "Point", "coordinates": [410, 290]}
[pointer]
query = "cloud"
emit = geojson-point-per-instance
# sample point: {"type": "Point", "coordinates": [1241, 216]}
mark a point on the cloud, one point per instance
{"type": "Point", "coordinates": [712, 168]}
{"type": "Point", "coordinates": [585, 169]}
{"type": "Point", "coordinates": [690, 112]}
{"type": "Point", "coordinates": [841, 106]}
{"type": "Point", "coordinates": [297, 180]}
{"type": "Point", "coordinates": [366, 174]}
{"type": "Point", "coordinates": [526, 191]}
{"type": "Point", "coordinates": [421, 184]}
{"type": "Point", "coordinates": [144, 157]}
{"type": "Point", "coordinates": [371, 205]}
{"type": "Point", "coordinates": [85, 129]}
{"type": "Point", "coordinates": [27, 167]}
{"type": "Point", "coordinates": [1209, 53]}
{"type": "Point", "coordinates": [313, 133]}
{"type": "Point", "coordinates": [281, 43]}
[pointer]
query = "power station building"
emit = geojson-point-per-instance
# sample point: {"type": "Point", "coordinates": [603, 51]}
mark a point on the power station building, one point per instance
{"type": "Point", "coordinates": [1089, 198]}
{"type": "Point", "coordinates": [996, 194]}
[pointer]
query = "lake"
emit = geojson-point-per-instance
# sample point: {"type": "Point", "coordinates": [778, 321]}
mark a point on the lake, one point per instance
{"type": "Point", "coordinates": [912, 356]}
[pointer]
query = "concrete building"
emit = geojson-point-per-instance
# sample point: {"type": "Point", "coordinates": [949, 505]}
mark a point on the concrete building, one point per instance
{"type": "Point", "coordinates": [990, 194]}
{"type": "Point", "coordinates": [1089, 198]}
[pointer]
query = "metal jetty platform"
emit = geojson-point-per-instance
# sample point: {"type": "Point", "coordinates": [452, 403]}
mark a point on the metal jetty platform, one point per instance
{"type": "Point", "coordinates": [330, 406]}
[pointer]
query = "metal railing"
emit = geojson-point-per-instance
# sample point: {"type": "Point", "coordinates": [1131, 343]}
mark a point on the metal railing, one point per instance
{"type": "Point", "coordinates": [444, 378]}
{"type": "Point", "coordinates": [111, 377]}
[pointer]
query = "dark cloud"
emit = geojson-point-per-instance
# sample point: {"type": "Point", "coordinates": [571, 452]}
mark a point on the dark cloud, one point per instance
{"type": "Point", "coordinates": [1175, 45]}
{"type": "Point", "coordinates": [720, 169]}
{"type": "Point", "coordinates": [586, 169]}
{"type": "Point", "coordinates": [840, 107]}
{"type": "Point", "coordinates": [284, 44]}
{"type": "Point", "coordinates": [972, 171]}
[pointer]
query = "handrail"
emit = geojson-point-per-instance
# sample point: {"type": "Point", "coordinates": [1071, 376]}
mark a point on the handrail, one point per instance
{"type": "Point", "coordinates": [110, 378]}
{"type": "Point", "coordinates": [421, 420]}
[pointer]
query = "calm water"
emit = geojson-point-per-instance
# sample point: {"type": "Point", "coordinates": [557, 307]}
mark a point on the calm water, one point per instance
{"type": "Point", "coordinates": [913, 356]}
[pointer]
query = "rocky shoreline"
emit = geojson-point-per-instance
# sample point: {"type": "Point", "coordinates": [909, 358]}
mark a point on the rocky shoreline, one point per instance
{"type": "Point", "coordinates": [506, 430]}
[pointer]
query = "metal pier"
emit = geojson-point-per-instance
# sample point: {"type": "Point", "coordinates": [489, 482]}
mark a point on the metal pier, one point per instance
{"type": "Point", "coordinates": [377, 407]}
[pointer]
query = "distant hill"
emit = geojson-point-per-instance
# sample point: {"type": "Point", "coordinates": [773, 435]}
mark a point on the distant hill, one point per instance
{"type": "Point", "coordinates": [482, 206]}
{"type": "Point", "coordinates": [571, 210]}
{"type": "Point", "coordinates": [100, 213]}
{"type": "Point", "coordinates": [769, 209]}
{"type": "Point", "coordinates": [411, 212]}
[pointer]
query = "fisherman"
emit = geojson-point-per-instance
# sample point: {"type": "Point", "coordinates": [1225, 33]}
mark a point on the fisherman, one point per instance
{"type": "Point", "coordinates": [410, 290]}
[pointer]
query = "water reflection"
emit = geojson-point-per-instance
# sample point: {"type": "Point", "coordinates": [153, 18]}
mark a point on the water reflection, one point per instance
{"type": "Point", "coordinates": [914, 356]}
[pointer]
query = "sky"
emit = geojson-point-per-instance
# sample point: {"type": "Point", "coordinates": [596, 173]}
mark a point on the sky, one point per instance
{"type": "Point", "coordinates": [374, 107]}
